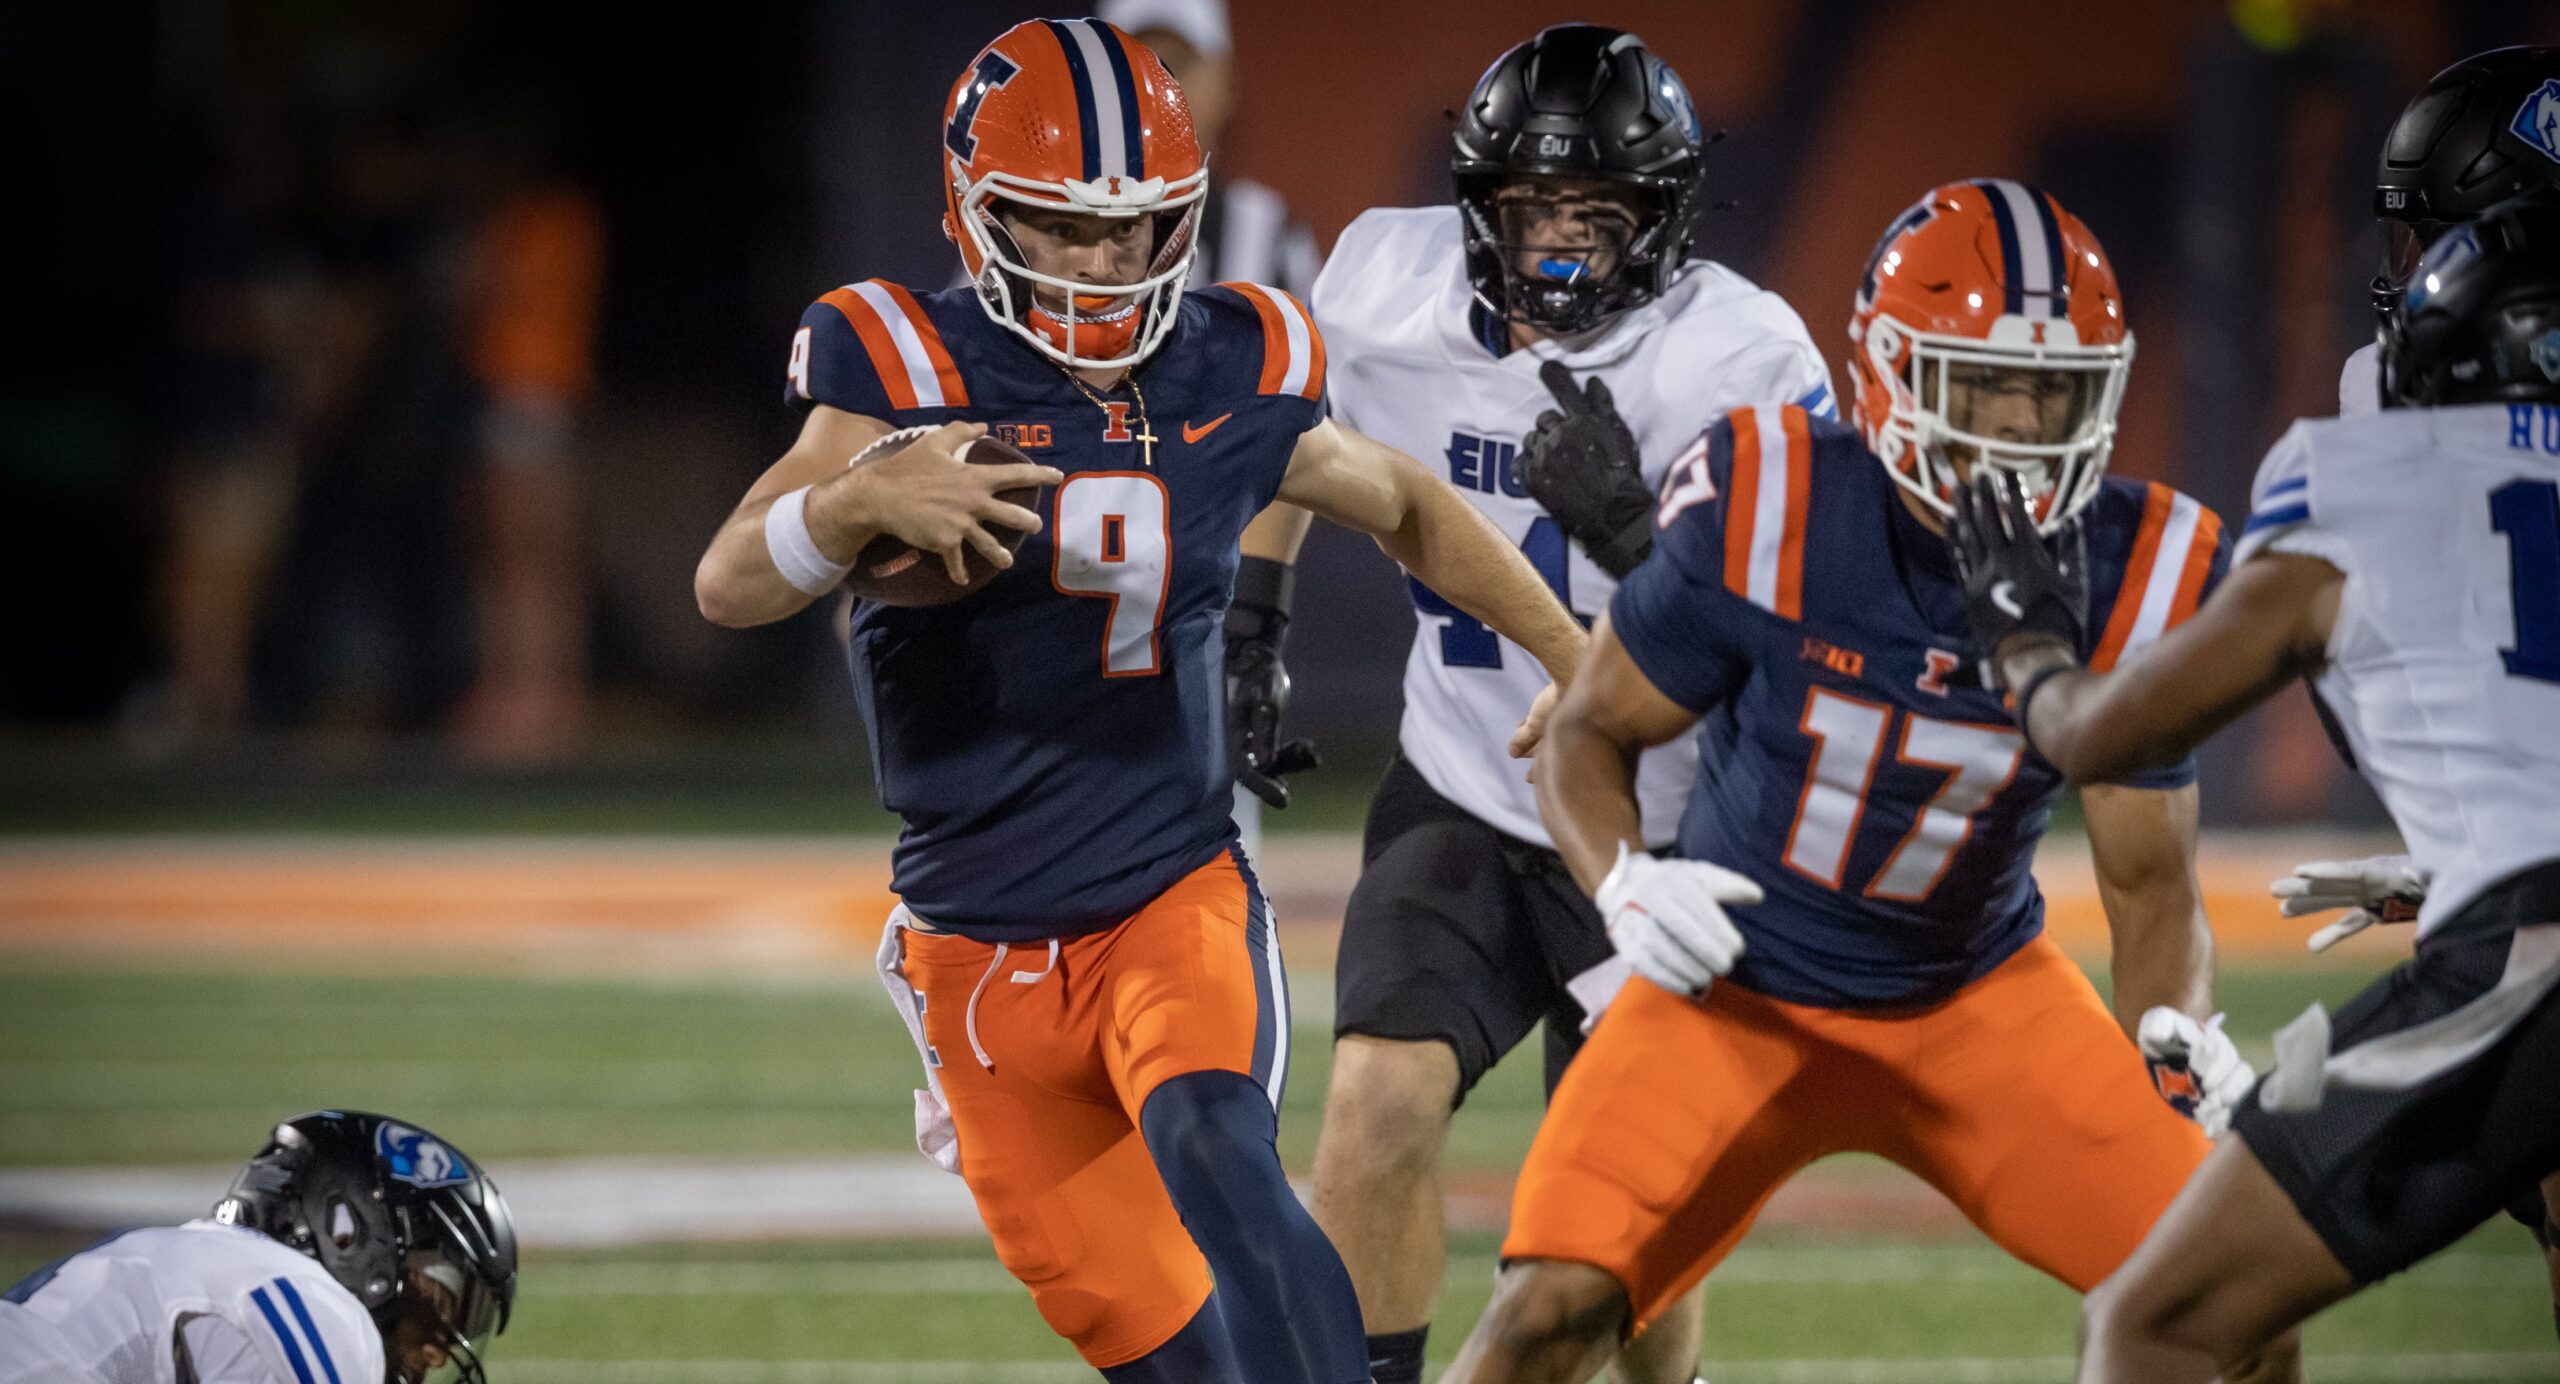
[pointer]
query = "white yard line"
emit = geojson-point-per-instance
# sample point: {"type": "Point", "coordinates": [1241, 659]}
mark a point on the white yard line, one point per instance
{"type": "Point", "coordinates": [2033, 1369]}
{"type": "Point", "coordinates": [1789, 1266]}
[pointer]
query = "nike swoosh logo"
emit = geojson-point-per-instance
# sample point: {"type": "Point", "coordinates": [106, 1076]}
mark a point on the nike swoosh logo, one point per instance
{"type": "Point", "coordinates": [1191, 434]}
{"type": "Point", "coordinates": [2005, 596]}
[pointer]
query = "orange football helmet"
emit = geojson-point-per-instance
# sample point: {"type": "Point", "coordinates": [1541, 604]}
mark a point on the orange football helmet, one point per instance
{"type": "Point", "coordinates": [1989, 273]}
{"type": "Point", "coordinates": [1076, 116]}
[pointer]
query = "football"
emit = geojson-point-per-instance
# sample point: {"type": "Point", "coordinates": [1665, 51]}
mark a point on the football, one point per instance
{"type": "Point", "coordinates": [893, 572]}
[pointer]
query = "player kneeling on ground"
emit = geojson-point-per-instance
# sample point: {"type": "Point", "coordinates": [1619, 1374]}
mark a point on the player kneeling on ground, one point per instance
{"type": "Point", "coordinates": [2408, 563]}
{"type": "Point", "coordinates": [353, 1248]}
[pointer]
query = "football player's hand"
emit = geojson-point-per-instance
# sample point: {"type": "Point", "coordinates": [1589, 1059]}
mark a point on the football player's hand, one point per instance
{"type": "Point", "coordinates": [1667, 918]}
{"type": "Point", "coordinates": [2379, 889]}
{"type": "Point", "coordinates": [1580, 464]}
{"type": "Point", "coordinates": [925, 496]}
{"type": "Point", "coordinates": [1533, 727]}
{"type": "Point", "coordinates": [2194, 1066]}
{"type": "Point", "coordinates": [1257, 694]}
{"type": "Point", "coordinates": [2016, 584]}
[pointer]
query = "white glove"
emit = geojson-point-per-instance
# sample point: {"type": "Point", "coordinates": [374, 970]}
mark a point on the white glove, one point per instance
{"type": "Point", "coordinates": [2381, 889]}
{"type": "Point", "coordinates": [2195, 1067]}
{"type": "Point", "coordinates": [1666, 917]}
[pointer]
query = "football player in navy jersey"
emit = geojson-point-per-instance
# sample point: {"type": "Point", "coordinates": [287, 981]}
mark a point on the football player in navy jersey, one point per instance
{"type": "Point", "coordinates": [1084, 958]}
{"type": "Point", "coordinates": [1848, 953]}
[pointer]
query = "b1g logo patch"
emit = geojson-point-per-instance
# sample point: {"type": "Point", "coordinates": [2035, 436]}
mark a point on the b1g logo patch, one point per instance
{"type": "Point", "coordinates": [2538, 122]}
{"type": "Point", "coordinates": [417, 1158]}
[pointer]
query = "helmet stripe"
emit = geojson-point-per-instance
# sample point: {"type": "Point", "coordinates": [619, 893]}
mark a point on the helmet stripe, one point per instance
{"type": "Point", "coordinates": [2031, 245]}
{"type": "Point", "coordinates": [1133, 126]}
{"type": "Point", "coordinates": [2058, 269]}
{"type": "Point", "coordinates": [2013, 287]}
{"type": "Point", "coordinates": [1080, 76]}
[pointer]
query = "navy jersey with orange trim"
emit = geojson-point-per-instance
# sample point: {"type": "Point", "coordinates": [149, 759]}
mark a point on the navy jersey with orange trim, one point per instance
{"type": "Point", "coordinates": [1055, 744]}
{"type": "Point", "coordinates": [1876, 790]}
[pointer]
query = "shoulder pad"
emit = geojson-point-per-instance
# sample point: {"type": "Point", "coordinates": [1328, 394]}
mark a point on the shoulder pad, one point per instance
{"type": "Point", "coordinates": [316, 1329]}
{"type": "Point", "coordinates": [2280, 498]}
{"type": "Point", "coordinates": [1292, 348]}
{"type": "Point", "coordinates": [1733, 507]}
{"type": "Point", "coordinates": [871, 348]}
{"type": "Point", "coordinates": [1745, 341]}
{"type": "Point", "coordinates": [2154, 554]}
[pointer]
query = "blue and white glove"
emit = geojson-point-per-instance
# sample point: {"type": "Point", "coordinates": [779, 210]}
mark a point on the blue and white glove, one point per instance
{"type": "Point", "coordinates": [2380, 889]}
{"type": "Point", "coordinates": [1666, 917]}
{"type": "Point", "coordinates": [2194, 1067]}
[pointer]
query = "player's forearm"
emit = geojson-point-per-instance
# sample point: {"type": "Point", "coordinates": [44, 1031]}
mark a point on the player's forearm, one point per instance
{"type": "Point", "coordinates": [1276, 534]}
{"type": "Point", "coordinates": [738, 583]}
{"type": "Point", "coordinates": [1458, 553]}
{"type": "Point", "coordinates": [2085, 724]}
{"type": "Point", "coordinates": [2161, 953]}
{"type": "Point", "coordinates": [1586, 794]}
{"type": "Point", "coordinates": [2142, 850]}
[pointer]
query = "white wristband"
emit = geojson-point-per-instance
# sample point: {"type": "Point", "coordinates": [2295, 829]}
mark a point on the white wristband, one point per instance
{"type": "Point", "coordinates": [795, 553]}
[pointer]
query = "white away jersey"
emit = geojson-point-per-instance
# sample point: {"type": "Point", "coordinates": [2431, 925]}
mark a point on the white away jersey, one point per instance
{"type": "Point", "coordinates": [2360, 383]}
{"type": "Point", "coordinates": [237, 1307]}
{"type": "Point", "coordinates": [1406, 367]}
{"type": "Point", "coordinates": [2444, 665]}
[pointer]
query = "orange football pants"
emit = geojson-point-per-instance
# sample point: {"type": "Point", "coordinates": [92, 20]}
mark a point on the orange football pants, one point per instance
{"type": "Point", "coordinates": [1046, 1060]}
{"type": "Point", "coordinates": [2017, 1097]}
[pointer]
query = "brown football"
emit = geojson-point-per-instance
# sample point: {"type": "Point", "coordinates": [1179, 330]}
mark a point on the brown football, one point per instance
{"type": "Point", "coordinates": [892, 572]}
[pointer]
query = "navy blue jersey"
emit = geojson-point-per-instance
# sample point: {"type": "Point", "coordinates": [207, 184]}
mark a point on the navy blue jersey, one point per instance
{"type": "Point", "coordinates": [1870, 783]}
{"type": "Point", "coordinates": [1055, 743]}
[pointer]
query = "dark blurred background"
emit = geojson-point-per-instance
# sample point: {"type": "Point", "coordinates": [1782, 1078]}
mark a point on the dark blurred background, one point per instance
{"type": "Point", "coordinates": [382, 367]}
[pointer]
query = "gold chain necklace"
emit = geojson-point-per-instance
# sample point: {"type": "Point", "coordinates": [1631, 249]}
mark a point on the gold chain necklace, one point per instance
{"type": "Point", "coordinates": [1146, 433]}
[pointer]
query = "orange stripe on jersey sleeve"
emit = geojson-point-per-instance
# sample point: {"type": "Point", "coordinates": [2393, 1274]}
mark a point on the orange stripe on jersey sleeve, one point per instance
{"type": "Point", "coordinates": [2199, 566]}
{"type": "Point", "coordinates": [1315, 345]}
{"type": "Point", "coordinates": [885, 360]}
{"type": "Point", "coordinates": [954, 393]}
{"type": "Point", "coordinates": [1275, 336]}
{"type": "Point", "coordinates": [1742, 503]}
{"type": "Point", "coordinates": [1799, 504]}
{"type": "Point", "coordinates": [2137, 578]}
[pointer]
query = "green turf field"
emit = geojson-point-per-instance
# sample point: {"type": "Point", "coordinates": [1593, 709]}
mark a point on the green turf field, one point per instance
{"type": "Point", "coordinates": [102, 1065]}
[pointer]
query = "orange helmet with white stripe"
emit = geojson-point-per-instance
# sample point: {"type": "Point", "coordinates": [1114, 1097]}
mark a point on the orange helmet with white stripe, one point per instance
{"type": "Point", "coordinates": [1072, 115]}
{"type": "Point", "coordinates": [1990, 284]}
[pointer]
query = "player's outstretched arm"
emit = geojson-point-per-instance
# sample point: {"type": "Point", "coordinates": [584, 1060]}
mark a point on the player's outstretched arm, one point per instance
{"type": "Point", "coordinates": [2268, 622]}
{"type": "Point", "coordinates": [1606, 718]}
{"type": "Point", "coordinates": [923, 494]}
{"type": "Point", "coordinates": [1364, 484]}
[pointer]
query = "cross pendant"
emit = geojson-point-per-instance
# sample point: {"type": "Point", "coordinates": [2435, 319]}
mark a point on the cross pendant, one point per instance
{"type": "Point", "coordinates": [1146, 436]}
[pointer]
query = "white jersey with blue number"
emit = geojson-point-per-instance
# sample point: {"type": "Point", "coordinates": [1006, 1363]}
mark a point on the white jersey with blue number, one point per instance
{"type": "Point", "coordinates": [2444, 665]}
{"type": "Point", "coordinates": [1406, 366]}
{"type": "Point", "coordinates": [225, 1304]}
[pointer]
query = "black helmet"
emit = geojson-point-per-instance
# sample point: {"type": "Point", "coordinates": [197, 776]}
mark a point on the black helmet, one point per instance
{"type": "Point", "coordinates": [2485, 129]}
{"type": "Point", "coordinates": [378, 1203]}
{"type": "Point", "coordinates": [2481, 320]}
{"type": "Point", "coordinates": [1578, 101]}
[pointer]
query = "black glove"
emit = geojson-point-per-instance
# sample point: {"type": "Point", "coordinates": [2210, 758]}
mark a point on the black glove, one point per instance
{"type": "Point", "coordinates": [2014, 583]}
{"type": "Point", "coordinates": [1580, 464]}
{"type": "Point", "coordinates": [1257, 684]}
